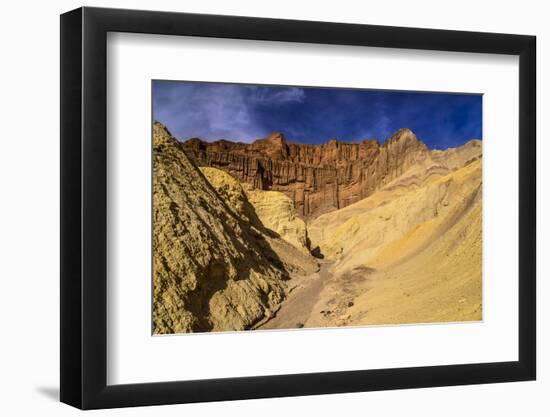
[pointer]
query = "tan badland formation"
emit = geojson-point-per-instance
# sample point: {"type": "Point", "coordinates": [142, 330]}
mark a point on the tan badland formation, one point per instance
{"type": "Point", "coordinates": [406, 254]}
{"type": "Point", "coordinates": [319, 178]}
{"type": "Point", "coordinates": [274, 209]}
{"type": "Point", "coordinates": [407, 251]}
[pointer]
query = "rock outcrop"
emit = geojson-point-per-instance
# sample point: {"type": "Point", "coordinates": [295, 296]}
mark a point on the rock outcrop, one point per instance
{"type": "Point", "coordinates": [277, 212]}
{"type": "Point", "coordinates": [270, 211]}
{"type": "Point", "coordinates": [213, 270]}
{"type": "Point", "coordinates": [455, 158]}
{"type": "Point", "coordinates": [318, 178]}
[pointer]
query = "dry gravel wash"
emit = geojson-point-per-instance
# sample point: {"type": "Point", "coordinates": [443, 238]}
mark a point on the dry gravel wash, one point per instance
{"type": "Point", "coordinates": [299, 306]}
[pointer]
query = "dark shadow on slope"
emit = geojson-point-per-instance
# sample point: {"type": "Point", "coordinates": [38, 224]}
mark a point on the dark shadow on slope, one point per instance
{"type": "Point", "coordinates": [316, 252]}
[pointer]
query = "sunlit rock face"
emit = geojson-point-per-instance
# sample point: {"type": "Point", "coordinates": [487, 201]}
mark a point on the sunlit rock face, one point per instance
{"type": "Point", "coordinates": [317, 178]}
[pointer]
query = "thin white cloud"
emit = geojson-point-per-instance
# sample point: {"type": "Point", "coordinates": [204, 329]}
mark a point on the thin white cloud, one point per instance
{"type": "Point", "coordinates": [208, 111]}
{"type": "Point", "coordinates": [265, 95]}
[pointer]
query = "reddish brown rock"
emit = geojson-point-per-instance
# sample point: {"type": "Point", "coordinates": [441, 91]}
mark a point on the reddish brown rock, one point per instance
{"type": "Point", "coordinates": [318, 178]}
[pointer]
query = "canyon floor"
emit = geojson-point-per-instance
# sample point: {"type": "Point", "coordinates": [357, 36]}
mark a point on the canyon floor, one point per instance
{"type": "Point", "coordinates": [304, 295]}
{"type": "Point", "coordinates": [229, 256]}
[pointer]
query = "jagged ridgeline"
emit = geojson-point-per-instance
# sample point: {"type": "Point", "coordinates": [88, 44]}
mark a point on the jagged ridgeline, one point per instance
{"type": "Point", "coordinates": [326, 177]}
{"type": "Point", "coordinates": [216, 267]}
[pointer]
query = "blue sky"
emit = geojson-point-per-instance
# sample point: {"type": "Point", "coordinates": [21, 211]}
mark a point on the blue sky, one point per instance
{"type": "Point", "coordinates": [244, 112]}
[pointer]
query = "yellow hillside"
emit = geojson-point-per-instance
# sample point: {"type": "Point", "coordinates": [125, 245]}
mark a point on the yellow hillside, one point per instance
{"type": "Point", "coordinates": [408, 253]}
{"type": "Point", "coordinates": [211, 270]}
{"type": "Point", "coordinates": [270, 209]}
{"type": "Point", "coordinates": [277, 212]}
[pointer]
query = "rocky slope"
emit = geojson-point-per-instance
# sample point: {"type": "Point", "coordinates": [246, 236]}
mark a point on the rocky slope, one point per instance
{"type": "Point", "coordinates": [216, 267]}
{"type": "Point", "coordinates": [269, 211]}
{"type": "Point", "coordinates": [327, 177]}
{"type": "Point", "coordinates": [406, 254]}
{"type": "Point", "coordinates": [277, 212]}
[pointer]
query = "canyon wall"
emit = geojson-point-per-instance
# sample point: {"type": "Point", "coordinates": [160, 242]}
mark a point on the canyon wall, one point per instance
{"type": "Point", "coordinates": [318, 178]}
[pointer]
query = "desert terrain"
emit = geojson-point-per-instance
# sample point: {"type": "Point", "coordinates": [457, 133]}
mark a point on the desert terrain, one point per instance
{"type": "Point", "coordinates": [280, 235]}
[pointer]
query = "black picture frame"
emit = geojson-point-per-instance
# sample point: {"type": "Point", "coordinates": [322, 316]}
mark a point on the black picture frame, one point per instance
{"type": "Point", "coordinates": [84, 207]}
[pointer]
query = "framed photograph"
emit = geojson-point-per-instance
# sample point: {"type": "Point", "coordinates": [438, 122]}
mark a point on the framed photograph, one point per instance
{"type": "Point", "coordinates": [258, 208]}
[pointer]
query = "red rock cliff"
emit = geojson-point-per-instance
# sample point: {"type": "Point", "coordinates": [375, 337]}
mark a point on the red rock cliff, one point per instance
{"type": "Point", "coordinates": [319, 178]}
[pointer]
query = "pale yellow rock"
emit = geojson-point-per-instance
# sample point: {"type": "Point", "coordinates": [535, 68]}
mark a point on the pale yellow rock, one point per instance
{"type": "Point", "coordinates": [230, 191]}
{"type": "Point", "coordinates": [273, 209]}
{"type": "Point", "coordinates": [406, 254]}
{"type": "Point", "coordinates": [270, 214]}
{"type": "Point", "coordinates": [359, 234]}
{"type": "Point", "coordinates": [277, 213]}
{"type": "Point", "coordinates": [212, 271]}
{"type": "Point", "coordinates": [455, 158]}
